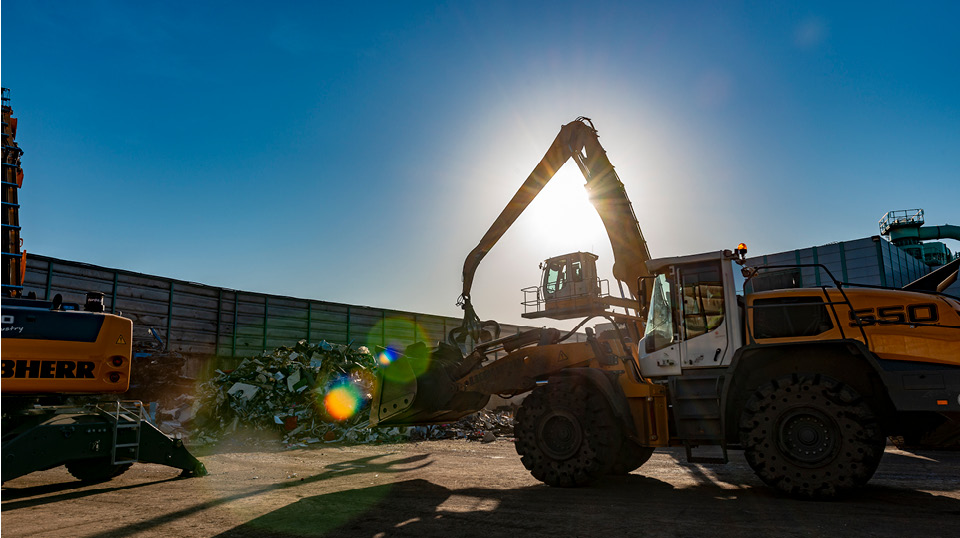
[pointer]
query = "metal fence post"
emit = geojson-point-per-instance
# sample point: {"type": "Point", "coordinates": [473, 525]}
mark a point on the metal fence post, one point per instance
{"type": "Point", "coordinates": [113, 299]}
{"type": "Point", "coordinates": [266, 309]}
{"type": "Point", "coordinates": [843, 262]}
{"type": "Point", "coordinates": [236, 322]}
{"type": "Point", "coordinates": [216, 340]}
{"type": "Point", "coordinates": [46, 293]}
{"type": "Point", "coordinates": [309, 318]}
{"type": "Point", "coordinates": [800, 272]}
{"type": "Point", "coordinates": [170, 315]}
{"type": "Point", "coordinates": [816, 260]}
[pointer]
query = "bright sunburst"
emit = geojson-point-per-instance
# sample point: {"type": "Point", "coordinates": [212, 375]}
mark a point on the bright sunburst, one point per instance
{"type": "Point", "coordinates": [562, 217]}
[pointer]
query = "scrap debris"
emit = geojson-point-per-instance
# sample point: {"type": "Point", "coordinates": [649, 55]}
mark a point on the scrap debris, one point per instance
{"type": "Point", "coordinates": [484, 425]}
{"type": "Point", "coordinates": [289, 391]}
{"type": "Point", "coordinates": [311, 393]}
{"type": "Point", "coordinates": [157, 377]}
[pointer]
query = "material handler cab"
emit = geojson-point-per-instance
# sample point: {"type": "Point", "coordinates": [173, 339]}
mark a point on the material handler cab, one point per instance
{"type": "Point", "coordinates": [569, 288]}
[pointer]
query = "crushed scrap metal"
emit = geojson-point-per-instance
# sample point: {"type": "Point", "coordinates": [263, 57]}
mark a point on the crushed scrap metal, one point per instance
{"type": "Point", "coordinates": [306, 394]}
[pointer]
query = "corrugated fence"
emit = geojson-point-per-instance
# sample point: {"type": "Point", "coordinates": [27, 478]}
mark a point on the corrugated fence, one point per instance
{"type": "Point", "coordinates": [197, 319]}
{"type": "Point", "coordinates": [207, 321]}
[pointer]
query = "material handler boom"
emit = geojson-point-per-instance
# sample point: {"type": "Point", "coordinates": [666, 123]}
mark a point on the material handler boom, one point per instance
{"type": "Point", "coordinates": [577, 141]}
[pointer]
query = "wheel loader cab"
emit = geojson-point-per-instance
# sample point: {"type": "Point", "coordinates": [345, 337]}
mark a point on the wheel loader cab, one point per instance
{"type": "Point", "coordinates": [693, 318]}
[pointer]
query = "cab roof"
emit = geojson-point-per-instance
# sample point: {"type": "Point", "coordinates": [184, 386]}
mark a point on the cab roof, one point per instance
{"type": "Point", "coordinates": [659, 264]}
{"type": "Point", "coordinates": [572, 255]}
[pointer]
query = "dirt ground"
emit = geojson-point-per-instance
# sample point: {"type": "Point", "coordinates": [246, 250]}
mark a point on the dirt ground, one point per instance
{"type": "Point", "coordinates": [465, 489]}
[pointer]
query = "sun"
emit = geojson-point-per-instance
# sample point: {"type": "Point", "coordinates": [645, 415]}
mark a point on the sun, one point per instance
{"type": "Point", "coordinates": [562, 217]}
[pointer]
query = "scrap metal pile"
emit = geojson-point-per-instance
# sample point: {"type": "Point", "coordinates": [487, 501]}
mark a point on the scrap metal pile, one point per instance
{"type": "Point", "coordinates": [312, 393]}
{"type": "Point", "coordinates": [157, 377]}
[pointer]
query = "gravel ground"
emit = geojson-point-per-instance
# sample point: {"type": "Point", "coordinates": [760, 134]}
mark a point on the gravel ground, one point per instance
{"type": "Point", "coordinates": [466, 489]}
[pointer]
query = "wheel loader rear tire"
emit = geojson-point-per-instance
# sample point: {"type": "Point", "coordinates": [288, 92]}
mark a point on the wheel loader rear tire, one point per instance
{"type": "Point", "coordinates": [566, 434]}
{"type": "Point", "coordinates": [811, 436]}
{"type": "Point", "coordinates": [95, 470]}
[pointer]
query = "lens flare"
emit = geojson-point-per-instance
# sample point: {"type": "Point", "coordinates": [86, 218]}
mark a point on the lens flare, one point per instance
{"type": "Point", "coordinates": [398, 333]}
{"type": "Point", "coordinates": [342, 401]}
{"type": "Point", "coordinates": [387, 356]}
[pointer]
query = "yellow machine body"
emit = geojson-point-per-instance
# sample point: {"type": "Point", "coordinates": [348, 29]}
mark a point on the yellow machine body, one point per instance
{"type": "Point", "coordinates": [62, 351]}
{"type": "Point", "coordinates": [893, 324]}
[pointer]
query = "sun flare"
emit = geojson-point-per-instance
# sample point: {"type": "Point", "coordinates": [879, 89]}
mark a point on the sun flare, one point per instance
{"type": "Point", "coordinates": [562, 217]}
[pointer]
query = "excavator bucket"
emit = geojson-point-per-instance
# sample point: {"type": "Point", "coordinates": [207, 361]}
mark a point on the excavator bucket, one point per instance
{"type": "Point", "coordinates": [419, 387]}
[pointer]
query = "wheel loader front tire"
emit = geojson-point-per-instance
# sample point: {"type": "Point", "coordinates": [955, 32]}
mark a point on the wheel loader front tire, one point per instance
{"type": "Point", "coordinates": [811, 436]}
{"type": "Point", "coordinates": [566, 434]}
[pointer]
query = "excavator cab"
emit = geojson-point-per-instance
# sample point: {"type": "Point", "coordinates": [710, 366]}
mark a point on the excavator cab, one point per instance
{"type": "Point", "coordinates": [569, 288]}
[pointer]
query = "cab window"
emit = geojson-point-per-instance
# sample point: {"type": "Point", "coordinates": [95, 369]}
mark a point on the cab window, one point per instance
{"type": "Point", "coordinates": [659, 332]}
{"type": "Point", "coordinates": [792, 316]}
{"type": "Point", "coordinates": [576, 271]}
{"type": "Point", "coordinates": [554, 277]}
{"type": "Point", "coordinates": [702, 292]}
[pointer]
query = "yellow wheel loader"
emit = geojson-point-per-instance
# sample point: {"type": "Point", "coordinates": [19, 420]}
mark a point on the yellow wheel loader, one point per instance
{"type": "Point", "coordinates": [807, 382]}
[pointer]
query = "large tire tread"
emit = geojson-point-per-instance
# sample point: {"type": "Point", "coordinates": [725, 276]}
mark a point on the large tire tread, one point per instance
{"type": "Point", "coordinates": [600, 439]}
{"type": "Point", "coordinates": [850, 458]}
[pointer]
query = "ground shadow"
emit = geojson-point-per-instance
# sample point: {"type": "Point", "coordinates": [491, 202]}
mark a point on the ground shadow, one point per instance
{"type": "Point", "coordinates": [626, 506]}
{"type": "Point", "coordinates": [75, 490]}
{"type": "Point", "coordinates": [367, 464]}
{"type": "Point", "coordinates": [707, 503]}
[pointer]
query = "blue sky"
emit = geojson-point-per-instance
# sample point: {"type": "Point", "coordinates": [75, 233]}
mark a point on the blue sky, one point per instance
{"type": "Point", "coordinates": [357, 153]}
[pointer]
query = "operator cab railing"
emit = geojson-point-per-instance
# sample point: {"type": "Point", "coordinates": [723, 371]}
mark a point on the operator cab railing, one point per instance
{"type": "Point", "coordinates": [548, 301]}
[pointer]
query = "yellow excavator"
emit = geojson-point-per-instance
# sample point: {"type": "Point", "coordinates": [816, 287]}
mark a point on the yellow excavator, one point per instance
{"type": "Point", "coordinates": [808, 382]}
{"type": "Point", "coordinates": [54, 352]}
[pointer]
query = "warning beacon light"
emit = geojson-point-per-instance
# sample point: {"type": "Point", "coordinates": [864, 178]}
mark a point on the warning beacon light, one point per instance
{"type": "Point", "coordinates": [742, 251]}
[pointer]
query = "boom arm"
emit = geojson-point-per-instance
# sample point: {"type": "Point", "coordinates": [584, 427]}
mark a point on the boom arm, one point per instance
{"type": "Point", "coordinates": [578, 140]}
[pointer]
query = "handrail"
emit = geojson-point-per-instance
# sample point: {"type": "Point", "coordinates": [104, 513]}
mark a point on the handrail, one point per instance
{"type": "Point", "coordinates": [539, 294]}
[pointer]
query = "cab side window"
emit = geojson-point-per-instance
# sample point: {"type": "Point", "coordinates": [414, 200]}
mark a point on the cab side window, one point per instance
{"type": "Point", "coordinates": [554, 277]}
{"type": "Point", "coordinates": [659, 331]}
{"type": "Point", "coordinates": [701, 290]}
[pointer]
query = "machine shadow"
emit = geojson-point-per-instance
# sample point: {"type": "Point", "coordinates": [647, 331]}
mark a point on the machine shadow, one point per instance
{"type": "Point", "coordinates": [365, 465]}
{"type": "Point", "coordinates": [633, 505]}
{"type": "Point", "coordinates": [10, 495]}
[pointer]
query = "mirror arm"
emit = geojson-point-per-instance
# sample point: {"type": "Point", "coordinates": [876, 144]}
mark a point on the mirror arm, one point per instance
{"type": "Point", "coordinates": [642, 296]}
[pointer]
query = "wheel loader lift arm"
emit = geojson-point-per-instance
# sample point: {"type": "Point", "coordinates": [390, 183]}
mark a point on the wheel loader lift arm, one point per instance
{"type": "Point", "coordinates": [577, 140]}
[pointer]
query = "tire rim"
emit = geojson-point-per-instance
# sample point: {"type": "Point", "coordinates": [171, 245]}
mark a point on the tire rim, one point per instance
{"type": "Point", "coordinates": [808, 437]}
{"type": "Point", "coordinates": [559, 435]}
